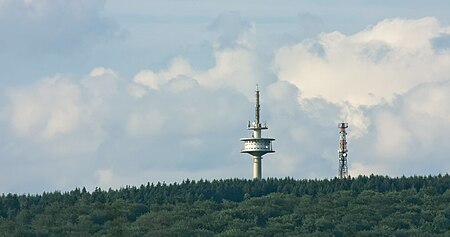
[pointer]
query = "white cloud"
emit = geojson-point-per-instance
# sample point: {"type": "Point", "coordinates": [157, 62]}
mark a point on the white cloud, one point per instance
{"type": "Point", "coordinates": [98, 121]}
{"type": "Point", "coordinates": [420, 123]}
{"type": "Point", "coordinates": [46, 110]}
{"type": "Point", "coordinates": [101, 71]}
{"type": "Point", "coordinates": [178, 68]}
{"type": "Point", "coordinates": [64, 116]}
{"type": "Point", "coordinates": [234, 69]}
{"type": "Point", "coordinates": [101, 84]}
{"type": "Point", "coordinates": [235, 63]}
{"type": "Point", "coordinates": [354, 116]}
{"type": "Point", "coordinates": [388, 81]}
{"type": "Point", "coordinates": [184, 122]}
{"type": "Point", "coordinates": [408, 136]}
{"type": "Point", "coordinates": [367, 68]}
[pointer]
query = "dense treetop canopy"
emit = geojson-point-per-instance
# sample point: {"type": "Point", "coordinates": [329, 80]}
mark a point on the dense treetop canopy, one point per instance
{"type": "Point", "coordinates": [362, 206]}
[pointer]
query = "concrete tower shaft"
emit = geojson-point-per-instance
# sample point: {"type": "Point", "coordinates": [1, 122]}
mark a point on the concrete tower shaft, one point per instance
{"type": "Point", "coordinates": [256, 145]}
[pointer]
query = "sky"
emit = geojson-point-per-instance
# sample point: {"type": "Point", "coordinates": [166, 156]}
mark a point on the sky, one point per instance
{"type": "Point", "coordinates": [108, 93]}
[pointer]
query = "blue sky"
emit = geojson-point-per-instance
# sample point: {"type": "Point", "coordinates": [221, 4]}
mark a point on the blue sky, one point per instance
{"type": "Point", "coordinates": [112, 93]}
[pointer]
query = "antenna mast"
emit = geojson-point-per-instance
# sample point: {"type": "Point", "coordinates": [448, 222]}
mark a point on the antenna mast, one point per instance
{"type": "Point", "coordinates": [343, 152]}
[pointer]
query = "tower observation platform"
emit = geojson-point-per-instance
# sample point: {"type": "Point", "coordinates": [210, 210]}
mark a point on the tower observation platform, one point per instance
{"type": "Point", "coordinates": [257, 146]}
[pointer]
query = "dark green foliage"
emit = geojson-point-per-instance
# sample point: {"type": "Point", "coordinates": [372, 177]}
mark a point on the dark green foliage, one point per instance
{"type": "Point", "coordinates": [362, 206]}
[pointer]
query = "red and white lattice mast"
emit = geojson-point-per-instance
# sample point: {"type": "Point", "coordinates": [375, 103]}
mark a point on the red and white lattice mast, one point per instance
{"type": "Point", "coordinates": [343, 152]}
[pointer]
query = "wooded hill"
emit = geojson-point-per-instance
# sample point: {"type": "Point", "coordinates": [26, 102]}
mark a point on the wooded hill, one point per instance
{"type": "Point", "coordinates": [362, 206]}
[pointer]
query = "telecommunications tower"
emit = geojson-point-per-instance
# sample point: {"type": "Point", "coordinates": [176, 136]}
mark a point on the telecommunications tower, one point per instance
{"type": "Point", "coordinates": [343, 168]}
{"type": "Point", "coordinates": [256, 145]}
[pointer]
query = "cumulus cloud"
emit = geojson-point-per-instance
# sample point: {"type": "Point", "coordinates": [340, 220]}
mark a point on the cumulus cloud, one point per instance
{"type": "Point", "coordinates": [422, 119]}
{"type": "Point", "coordinates": [180, 121]}
{"type": "Point", "coordinates": [63, 115]}
{"type": "Point", "coordinates": [389, 81]}
{"type": "Point", "coordinates": [45, 110]}
{"type": "Point", "coordinates": [178, 68]}
{"type": "Point", "coordinates": [175, 119]}
{"type": "Point", "coordinates": [98, 120]}
{"type": "Point", "coordinates": [234, 68]}
{"type": "Point", "coordinates": [408, 136]}
{"type": "Point", "coordinates": [367, 68]}
{"type": "Point", "coordinates": [235, 63]}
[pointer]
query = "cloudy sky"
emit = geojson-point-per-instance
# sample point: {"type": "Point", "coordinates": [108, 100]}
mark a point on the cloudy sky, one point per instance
{"type": "Point", "coordinates": [110, 93]}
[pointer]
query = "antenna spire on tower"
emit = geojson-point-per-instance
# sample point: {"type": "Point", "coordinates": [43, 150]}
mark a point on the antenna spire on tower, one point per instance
{"type": "Point", "coordinates": [257, 107]}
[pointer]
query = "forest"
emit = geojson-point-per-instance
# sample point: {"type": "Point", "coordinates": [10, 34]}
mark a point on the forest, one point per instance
{"type": "Point", "coordinates": [357, 206]}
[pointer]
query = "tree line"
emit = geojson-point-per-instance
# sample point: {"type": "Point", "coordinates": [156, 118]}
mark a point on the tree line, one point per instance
{"type": "Point", "coordinates": [358, 206]}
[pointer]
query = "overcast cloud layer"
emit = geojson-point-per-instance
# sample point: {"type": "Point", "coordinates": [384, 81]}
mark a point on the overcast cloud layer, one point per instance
{"type": "Point", "coordinates": [96, 96]}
